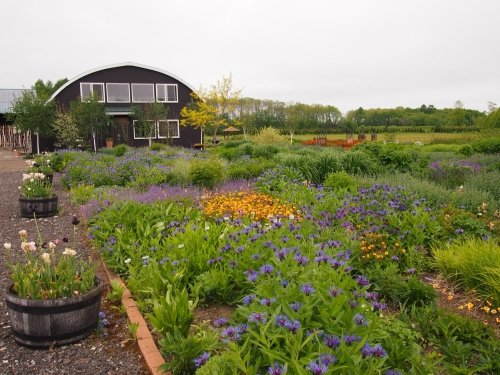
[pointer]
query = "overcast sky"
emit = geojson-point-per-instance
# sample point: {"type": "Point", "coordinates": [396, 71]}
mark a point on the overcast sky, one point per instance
{"type": "Point", "coordinates": [347, 53]}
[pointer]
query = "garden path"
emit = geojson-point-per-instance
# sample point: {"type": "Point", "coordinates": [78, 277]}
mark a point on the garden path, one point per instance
{"type": "Point", "coordinates": [107, 352]}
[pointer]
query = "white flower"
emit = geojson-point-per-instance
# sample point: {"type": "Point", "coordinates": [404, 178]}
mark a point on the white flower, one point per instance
{"type": "Point", "coordinates": [32, 246]}
{"type": "Point", "coordinates": [46, 258]}
{"type": "Point", "coordinates": [23, 233]}
{"type": "Point", "coordinates": [68, 251]}
{"type": "Point", "coordinates": [207, 227]}
{"type": "Point", "coordinates": [26, 176]}
{"type": "Point", "coordinates": [181, 246]}
{"type": "Point", "coordinates": [7, 245]}
{"type": "Point", "coordinates": [127, 261]}
{"type": "Point", "coordinates": [28, 246]}
{"type": "Point", "coordinates": [52, 245]}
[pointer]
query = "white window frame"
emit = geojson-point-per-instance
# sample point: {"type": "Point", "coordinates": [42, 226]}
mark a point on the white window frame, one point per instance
{"type": "Point", "coordinates": [92, 90]}
{"type": "Point", "coordinates": [152, 137]}
{"type": "Point", "coordinates": [168, 121]}
{"type": "Point", "coordinates": [143, 84]}
{"type": "Point", "coordinates": [166, 92]}
{"type": "Point", "coordinates": [117, 83]}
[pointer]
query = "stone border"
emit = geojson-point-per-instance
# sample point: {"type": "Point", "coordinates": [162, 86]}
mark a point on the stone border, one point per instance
{"type": "Point", "coordinates": [147, 346]}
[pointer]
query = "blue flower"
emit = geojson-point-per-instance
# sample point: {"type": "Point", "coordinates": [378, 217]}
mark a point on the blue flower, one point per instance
{"type": "Point", "coordinates": [317, 368]}
{"type": "Point", "coordinates": [360, 320]}
{"type": "Point", "coordinates": [295, 306]}
{"type": "Point", "coordinates": [327, 359]}
{"type": "Point", "coordinates": [247, 300]}
{"type": "Point", "coordinates": [201, 360]}
{"type": "Point", "coordinates": [251, 275]}
{"type": "Point", "coordinates": [220, 322]}
{"type": "Point", "coordinates": [331, 341]}
{"type": "Point", "coordinates": [293, 326]}
{"type": "Point", "coordinates": [276, 369]}
{"type": "Point", "coordinates": [362, 280]}
{"type": "Point", "coordinates": [307, 289]}
{"type": "Point", "coordinates": [257, 317]}
{"type": "Point", "coordinates": [266, 269]}
{"type": "Point", "coordinates": [281, 320]}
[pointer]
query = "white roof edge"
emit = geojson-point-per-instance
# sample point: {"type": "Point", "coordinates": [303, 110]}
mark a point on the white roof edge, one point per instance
{"type": "Point", "coordinates": [119, 65]}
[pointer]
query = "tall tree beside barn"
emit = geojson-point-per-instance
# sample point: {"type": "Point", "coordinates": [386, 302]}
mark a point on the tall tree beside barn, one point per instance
{"type": "Point", "coordinates": [33, 113]}
{"type": "Point", "coordinates": [148, 116]}
{"type": "Point", "coordinates": [213, 108]}
{"type": "Point", "coordinates": [90, 118]}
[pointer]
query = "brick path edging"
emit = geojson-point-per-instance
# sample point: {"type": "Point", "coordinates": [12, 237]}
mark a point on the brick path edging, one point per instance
{"type": "Point", "coordinates": [147, 346]}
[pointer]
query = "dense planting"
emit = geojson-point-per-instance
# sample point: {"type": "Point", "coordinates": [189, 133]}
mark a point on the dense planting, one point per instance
{"type": "Point", "coordinates": [322, 278]}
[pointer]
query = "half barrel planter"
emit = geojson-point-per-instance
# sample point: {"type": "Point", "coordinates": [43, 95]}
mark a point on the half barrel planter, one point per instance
{"type": "Point", "coordinates": [44, 323]}
{"type": "Point", "coordinates": [39, 207]}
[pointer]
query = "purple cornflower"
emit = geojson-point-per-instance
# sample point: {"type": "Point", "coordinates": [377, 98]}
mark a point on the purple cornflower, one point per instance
{"type": "Point", "coordinates": [395, 258]}
{"type": "Point", "coordinates": [284, 239]}
{"type": "Point", "coordinates": [239, 249]}
{"type": "Point", "coordinates": [201, 360]}
{"type": "Point", "coordinates": [362, 280]}
{"type": "Point", "coordinates": [295, 306]}
{"type": "Point", "coordinates": [266, 269]}
{"type": "Point", "coordinates": [317, 368]}
{"type": "Point", "coordinates": [334, 292]}
{"type": "Point", "coordinates": [301, 259]}
{"type": "Point", "coordinates": [242, 328]}
{"type": "Point", "coordinates": [214, 260]}
{"type": "Point", "coordinates": [247, 300]}
{"type": "Point", "coordinates": [307, 289]}
{"type": "Point", "coordinates": [257, 317]}
{"type": "Point", "coordinates": [230, 334]}
{"type": "Point", "coordinates": [255, 256]}
{"type": "Point", "coordinates": [331, 341]}
{"type": "Point", "coordinates": [392, 372]}
{"type": "Point", "coordinates": [411, 271]}
{"type": "Point", "coordinates": [372, 296]}
{"type": "Point", "coordinates": [327, 359]}
{"type": "Point", "coordinates": [378, 351]}
{"type": "Point", "coordinates": [251, 275]}
{"type": "Point", "coordinates": [360, 320]}
{"type": "Point", "coordinates": [459, 231]}
{"type": "Point", "coordinates": [378, 306]}
{"type": "Point", "coordinates": [292, 326]}
{"type": "Point", "coordinates": [350, 339]}
{"type": "Point", "coordinates": [276, 369]}
{"type": "Point", "coordinates": [220, 322]}
{"type": "Point", "coordinates": [366, 350]}
{"type": "Point", "coordinates": [281, 320]}
{"type": "Point", "coordinates": [267, 301]}
{"type": "Point", "coordinates": [284, 283]}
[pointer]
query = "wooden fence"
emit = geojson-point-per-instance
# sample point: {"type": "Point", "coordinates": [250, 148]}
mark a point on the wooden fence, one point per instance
{"type": "Point", "coordinates": [11, 138]}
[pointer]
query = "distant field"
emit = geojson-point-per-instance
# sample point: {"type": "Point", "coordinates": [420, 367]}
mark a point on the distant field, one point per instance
{"type": "Point", "coordinates": [426, 138]}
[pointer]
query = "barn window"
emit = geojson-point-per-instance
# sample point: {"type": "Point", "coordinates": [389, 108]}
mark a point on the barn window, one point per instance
{"type": "Point", "coordinates": [118, 92]}
{"type": "Point", "coordinates": [87, 89]}
{"type": "Point", "coordinates": [143, 92]}
{"type": "Point", "coordinates": [166, 93]}
{"type": "Point", "coordinates": [144, 130]}
{"type": "Point", "coordinates": [168, 129]}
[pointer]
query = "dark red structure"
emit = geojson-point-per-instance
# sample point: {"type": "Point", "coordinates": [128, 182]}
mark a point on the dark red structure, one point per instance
{"type": "Point", "coordinates": [121, 86]}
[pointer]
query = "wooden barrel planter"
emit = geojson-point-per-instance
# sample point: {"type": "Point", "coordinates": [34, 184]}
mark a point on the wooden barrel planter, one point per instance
{"type": "Point", "coordinates": [40, 207]}
{"type": "Point", "coordinates": [44, 323]}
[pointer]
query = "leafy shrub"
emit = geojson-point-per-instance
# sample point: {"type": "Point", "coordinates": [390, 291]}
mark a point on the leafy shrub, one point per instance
{"type": "Point", "coordinates": [359, 163]}
{"type": "Point", "coordinates": [490, 145]}
{"type": "Point", "coordinates": [473, 264]}
{"type": "Point", "coordinates": [81, 194]}
{"type": "Point", "coordinates": [314, 168]}
{"type": "Point", "coordinates": [269, 136]}
{"type": "Point", "coordinates": [341, 180]}
{"type": "Point", "coordinates": [452, 174]}
{"type": "Point", "coordinates": [405, 290]}
{"type": "Point", "coordinates": [486, 182]}
{"type": "Point", "coordinates": [248, 169]}
{"type": "Point", "coordinates": [120, 150]}
{"type": "Point", "coordinates": [156, 146]}
{"type": "Point", "coordinates": [206, 173]}
{"type": "Point", "coordinates": [57, 162]}
{"type": "Point", "coordinates": [146, 177]}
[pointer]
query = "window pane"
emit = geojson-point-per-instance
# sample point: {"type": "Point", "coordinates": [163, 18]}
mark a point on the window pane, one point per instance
{"type": "Point", "coordinates": [173, 126]}
{"type": "Point", "coordinates": [144, 130]}
{"type": "Point", "coordinates": [144, 93]}
{"type": "Point", "coordinates": [160, 93]}
{"type": "Point", "coordinates": [98, 90]}
{"type": "Point", "coordinates": [118, 92]}
{"type": "Point", "coordinates": [168, 129]}
{"type": "Point", "coordinates": [172, 93]}
{"type": "Point", "coordinates": [85, 90]}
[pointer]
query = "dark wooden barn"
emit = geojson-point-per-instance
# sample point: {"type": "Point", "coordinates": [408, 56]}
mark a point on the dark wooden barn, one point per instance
{"type": "Point", "coordinates": [121, 86]}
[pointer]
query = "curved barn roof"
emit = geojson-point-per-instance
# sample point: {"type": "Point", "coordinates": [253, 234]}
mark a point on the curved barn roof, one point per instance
{"type": "Point", "coordinates": [118, 66]}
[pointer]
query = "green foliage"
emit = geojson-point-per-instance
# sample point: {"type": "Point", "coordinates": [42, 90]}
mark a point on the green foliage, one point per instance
{"type": "Point", "coordinates": [248, 168]}
{"type": "Point", "coordinates": [57, 162]}
{"type": "Point", "coordinates": [472, 264]}
{"type": "Point", "coordinates": [399, 289]}
{"type": "Point", "coordinates": [33, 113]}
{"type": "Point", "coordinates": [36, 185]}
{"type": "Point", "coordinates": [206, 173]}
{"type": "Point", "coordinates": [156, 146]}
{"type": "Point", "coordinates": [173, 313]}
{"type": "Point", "coordinates": [314, 168]}
{"type": "Point", "coordinates": [146, 177]}
{"type": "Point", "coordinates": [359, 163]}
{"type": "Point", "coordinates": [181, 351]}
{"type": "Point", "coordinates": [489, 145]}
{"type": "Point", "coordinates": [81, 194]}
{"type": "Point", "coordinates": [269, 136]}
{"type": "Point", "coordinates": [116, 292]}
{"type": "Point", "coordinates": [66, 130]}
{"type": "Point", "coordinates": [341, 181]}
{"type": "Point", "coordinates": [179, 173]}
{"type": "Point", "coordinates": [466, 346]}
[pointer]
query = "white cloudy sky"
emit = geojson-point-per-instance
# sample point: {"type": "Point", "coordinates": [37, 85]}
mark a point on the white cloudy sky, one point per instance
{"type": "Point", "coordinates": [348, 53]}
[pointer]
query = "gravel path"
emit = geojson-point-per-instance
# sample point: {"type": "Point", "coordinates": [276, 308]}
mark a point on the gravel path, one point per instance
{"type": "Point", "coordinates": [108, 352]}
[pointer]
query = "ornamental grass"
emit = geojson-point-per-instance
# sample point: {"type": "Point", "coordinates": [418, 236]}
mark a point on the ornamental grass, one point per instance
{"type": "Point", "coordinates": [258, 206]}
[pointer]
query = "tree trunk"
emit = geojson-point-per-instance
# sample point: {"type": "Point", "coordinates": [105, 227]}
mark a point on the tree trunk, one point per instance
{"type": "Point", "coordinates": [93, 139]}
{"type": "Point", "coordinates": [38, 143]}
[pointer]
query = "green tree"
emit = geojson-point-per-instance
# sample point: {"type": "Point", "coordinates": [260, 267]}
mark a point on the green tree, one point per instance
{"type": "Point", "coordinates": [66, 130]}
{"type": "Point", "coordinates": [90, 118]}
{"type": "Point", "coordinates": [34, 114]}
{"type": "Point", "coordinates": [213, 108]}
{"type": "Point", "coordinates": [148, 117]}
{"type": "Point", "coordinates": [45, 90]}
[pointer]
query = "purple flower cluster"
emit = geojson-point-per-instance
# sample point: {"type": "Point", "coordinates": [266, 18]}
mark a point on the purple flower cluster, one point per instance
{"type": "Point", "coordinates": [284, 321]}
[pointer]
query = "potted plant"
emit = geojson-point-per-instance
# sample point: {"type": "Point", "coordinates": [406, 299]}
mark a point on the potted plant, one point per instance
{"type": "Point", "coordinates": [109, 142]}
{"type": "Point", "coordinates": [55, 297]}
{"type": "Point", "coordinates": [41, 165]}
{"type": "Point", "coordinates": [37, 196]}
